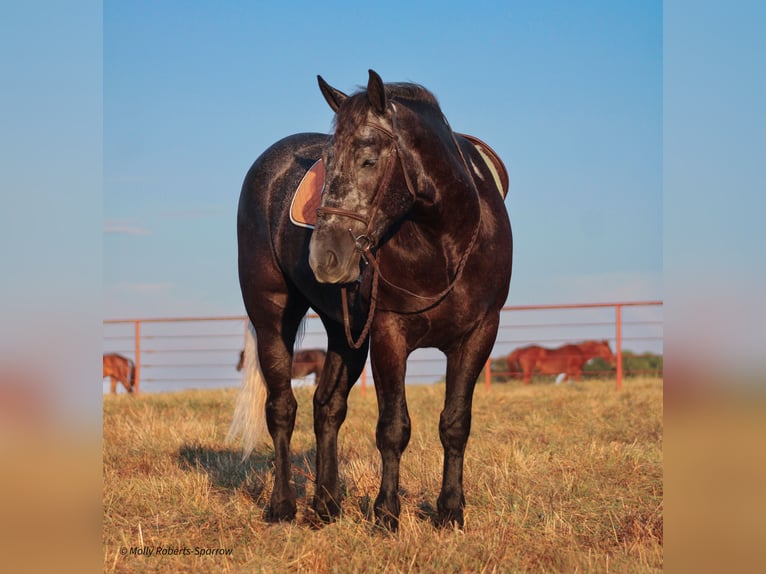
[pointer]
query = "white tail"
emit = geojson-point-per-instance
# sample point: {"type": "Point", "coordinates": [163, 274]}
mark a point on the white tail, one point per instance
{"type": "Point", "coordinates": [249, 421]}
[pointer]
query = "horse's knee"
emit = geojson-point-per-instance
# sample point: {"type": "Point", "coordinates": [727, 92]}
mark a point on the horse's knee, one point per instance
{"type": "Point", "coordinates": [393, 433]}
{"type": "Point", "coordinates": [331, 415]}
{"type": "Point", "coordinates": [281, 410]}
{"type": "Point", "coordinates": [454, 427]}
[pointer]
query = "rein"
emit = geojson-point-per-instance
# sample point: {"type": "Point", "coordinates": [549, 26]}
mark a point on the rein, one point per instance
{"type": "Point", "coordinates": [364, 243]}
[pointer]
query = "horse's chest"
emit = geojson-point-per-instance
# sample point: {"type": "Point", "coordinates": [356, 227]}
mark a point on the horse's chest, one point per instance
{"type": "Point", "coordinates": [438, 325]}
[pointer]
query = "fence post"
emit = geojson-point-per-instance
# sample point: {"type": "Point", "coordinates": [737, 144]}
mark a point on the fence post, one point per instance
{"type": "Point", "coordinates": [137, 373]}
{"type": "Point", "coordinates": [488, 374]}
{"type": "Point", "coordinates": [618, 322]}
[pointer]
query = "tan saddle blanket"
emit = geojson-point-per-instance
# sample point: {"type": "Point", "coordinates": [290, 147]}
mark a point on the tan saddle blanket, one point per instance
{"type": "Point", "coordinates": [303, 209]}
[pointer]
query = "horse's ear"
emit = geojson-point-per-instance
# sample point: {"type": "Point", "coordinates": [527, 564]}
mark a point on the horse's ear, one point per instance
{"type": "Point", "coordinates": [334, 97]}
{"type": "Point", "coordinates": [376, 92]}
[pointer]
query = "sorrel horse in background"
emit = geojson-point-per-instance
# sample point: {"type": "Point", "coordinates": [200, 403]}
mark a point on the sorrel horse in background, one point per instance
{"type": "Point", "coordinates": [568, 359]}
{"type": "Point", "coordinates": [122, 369]}
{"type": "Point", "coordinates": [305, 363]}
{"type": "Point", "coordinates": [412, 248]}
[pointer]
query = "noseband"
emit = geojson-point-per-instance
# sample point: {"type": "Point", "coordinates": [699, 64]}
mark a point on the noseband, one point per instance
{"type": "Point", "coordinates": [364, 243]}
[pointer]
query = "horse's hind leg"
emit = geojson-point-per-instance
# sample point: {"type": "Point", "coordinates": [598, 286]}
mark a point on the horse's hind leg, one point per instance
{"type": "Point", "coordinates": [342, 368]}
{"type": "Point", "coordinates": [274, 341]}
{"type": "Point", "coordinates": [464, 363]}
{"type": "Point", "coordinates": [527, 370]}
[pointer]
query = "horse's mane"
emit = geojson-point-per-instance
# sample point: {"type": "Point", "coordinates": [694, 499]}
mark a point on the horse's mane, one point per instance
{"type": "Point", "coordinates": [413, 92]}
{"type": "Point", "coordinates": [357, 105]}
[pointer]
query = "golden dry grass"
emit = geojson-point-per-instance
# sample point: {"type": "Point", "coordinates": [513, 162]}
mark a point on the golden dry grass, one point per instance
{"type": "Point", "coordinates": [557, 478]}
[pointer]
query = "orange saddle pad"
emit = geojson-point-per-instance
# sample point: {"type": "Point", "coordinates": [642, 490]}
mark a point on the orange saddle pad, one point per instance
{"type": "Point", "coordinates": [303, 209]}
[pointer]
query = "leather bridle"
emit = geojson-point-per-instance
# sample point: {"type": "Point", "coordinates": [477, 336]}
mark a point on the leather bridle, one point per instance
{"type": "Point", "coordinates": [364, 243]}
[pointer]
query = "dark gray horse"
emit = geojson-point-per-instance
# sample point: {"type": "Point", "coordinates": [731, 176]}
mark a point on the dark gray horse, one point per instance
{"type": "Point", "coordinates": [412, 249]}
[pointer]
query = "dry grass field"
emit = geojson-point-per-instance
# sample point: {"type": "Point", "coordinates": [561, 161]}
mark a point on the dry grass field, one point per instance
{"type": "Point", "coordinates": [558, 478]}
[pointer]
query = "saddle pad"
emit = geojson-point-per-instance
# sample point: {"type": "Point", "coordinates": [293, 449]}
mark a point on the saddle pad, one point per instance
{"type": "Point", "coordinates": [494, 163]}
{"type": "Point", "coordinates": [303, 209]}
{"type": "Point", "coordinates": [306, 200]}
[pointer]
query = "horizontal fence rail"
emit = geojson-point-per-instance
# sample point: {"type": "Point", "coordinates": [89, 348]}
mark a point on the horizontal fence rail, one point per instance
{"type": "Point", "coordinates": [202, 352]}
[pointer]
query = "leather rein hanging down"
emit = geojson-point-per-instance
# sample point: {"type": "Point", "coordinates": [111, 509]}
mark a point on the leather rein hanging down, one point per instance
{"type": "Point", "coordinates": [364, 243]}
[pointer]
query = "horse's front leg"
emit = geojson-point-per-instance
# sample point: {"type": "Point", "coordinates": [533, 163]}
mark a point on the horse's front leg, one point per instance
{"type": "Point", "coordinates": [393, 430]}
{"type": "Point", "coordinates": [464, 363]}
{"type": "Point", "coordinates": [528, 369]}
{"type": "Point", "coordinates": [572, 372]}
{"type": "Point", "coordinates": [342, 368]}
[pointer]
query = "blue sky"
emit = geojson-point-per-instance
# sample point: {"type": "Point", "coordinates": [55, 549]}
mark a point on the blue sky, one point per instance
{"type": "Point", "coordinates": [569, 94]}
{"type": "Point", "coordinates": [561, 94]}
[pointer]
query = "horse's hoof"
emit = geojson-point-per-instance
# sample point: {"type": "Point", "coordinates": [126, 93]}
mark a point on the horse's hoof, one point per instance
{"type": "Point", "coordinates": [327, 510]}
{"type": "Point", "coordinates": [387, 523]}
{"type": "Point", "coordinates": [385, 520]}
{"type": "Point", "coordinates": [282, 512]}
{"type": "Point", "coordinates": [450, 518]}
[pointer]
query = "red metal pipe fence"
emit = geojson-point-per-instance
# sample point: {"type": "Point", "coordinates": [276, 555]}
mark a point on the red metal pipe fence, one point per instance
{"type": "Point", "coordinates": [201, 352]}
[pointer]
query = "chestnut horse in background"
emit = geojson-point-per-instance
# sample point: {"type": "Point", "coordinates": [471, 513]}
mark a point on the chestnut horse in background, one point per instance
{"type": "Point", "coordinates": [568, 359]}
{"type": "Point", "coordinates": [304, 363]}
{"type": "Point", "coordinates": [122, 369]}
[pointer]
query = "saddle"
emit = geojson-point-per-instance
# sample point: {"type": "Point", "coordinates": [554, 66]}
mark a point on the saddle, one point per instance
{"type": "Point", "coordinates": [306, 199]}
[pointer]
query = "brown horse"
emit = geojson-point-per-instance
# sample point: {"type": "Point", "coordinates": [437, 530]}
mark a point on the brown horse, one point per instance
{"type": "Point", "coordinates": [122, 369]}
{"type": "Point", "coordinates": [568, 359]}
{"type": "Point", "coordinates": [304, 363]}
{"type": "Point", "coordinates": [308, 361]}
{"type": "Point", "coordinates": [412, 248]}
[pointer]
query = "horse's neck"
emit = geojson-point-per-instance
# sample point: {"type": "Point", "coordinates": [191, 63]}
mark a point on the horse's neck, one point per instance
{"type": "Point", "coordinates": [448, 203]}
{"type": "Point", "coordinates": [452, 219]}
{"type": "Point", "coordinates": [589, 351]}
{"type": "Point", "coordinates": [441, 227]}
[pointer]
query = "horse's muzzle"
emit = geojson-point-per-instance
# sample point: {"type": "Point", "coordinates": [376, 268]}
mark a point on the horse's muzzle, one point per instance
{"type": "Point", "coordinates": [336, 263]}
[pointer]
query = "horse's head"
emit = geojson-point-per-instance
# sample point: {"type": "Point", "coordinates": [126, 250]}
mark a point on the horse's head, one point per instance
{"type": "Point", "coordinates": [601, 349]}
{"type": "Point", "coordinates": [366, 191]}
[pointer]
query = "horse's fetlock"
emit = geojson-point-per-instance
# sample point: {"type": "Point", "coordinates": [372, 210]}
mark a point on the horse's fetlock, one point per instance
{"type": "Point", "coordinates": [326, 507]}
{"type": "Point", "coordinates": [387, 511]}
{"type": "Point", "coordinates": [283, 511]}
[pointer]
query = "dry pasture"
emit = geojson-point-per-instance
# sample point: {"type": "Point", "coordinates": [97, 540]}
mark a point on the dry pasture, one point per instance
{"type": "Point", "coordinates": [559, 478]}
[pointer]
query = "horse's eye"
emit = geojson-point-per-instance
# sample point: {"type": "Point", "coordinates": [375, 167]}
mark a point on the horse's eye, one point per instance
{"type": "Point", "coordinates": [370, 162]}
